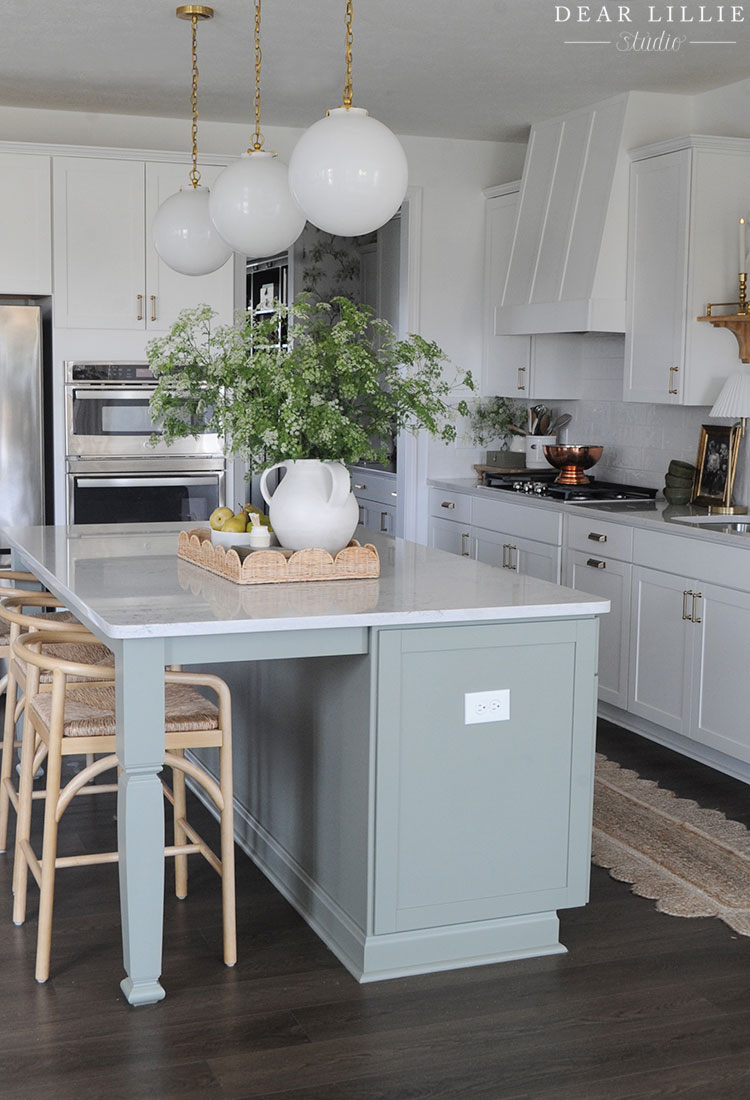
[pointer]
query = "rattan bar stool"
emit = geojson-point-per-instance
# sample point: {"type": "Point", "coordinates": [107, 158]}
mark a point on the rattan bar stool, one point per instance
{"type": "Point", "coordinates": [28, 611]}
{"type": "Point", "coordinates": [78, 716]}
{"type": "Point", "coordinates": [12, 581]}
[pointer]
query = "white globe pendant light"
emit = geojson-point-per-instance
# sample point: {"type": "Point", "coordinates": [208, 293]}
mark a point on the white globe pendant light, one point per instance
{"type": "Point", "coordinates": [348, 172]}
{"type": "Point", "coordinates": [251, 205]}
{"type": "Point", "coordinates": [182, 231]}
{"type": "Point", "coordinates": [184, 235]}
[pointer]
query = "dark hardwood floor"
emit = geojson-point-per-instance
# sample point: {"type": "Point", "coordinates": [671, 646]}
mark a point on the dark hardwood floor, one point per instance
{"type": "Point", "coordinates": [643, 1005]}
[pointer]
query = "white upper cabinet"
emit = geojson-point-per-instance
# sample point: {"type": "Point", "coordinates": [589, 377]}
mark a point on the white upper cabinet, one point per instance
{"type": "Point", "coordinates": [168, 291]}
{"type": "Point", "coordinates": [107, 274]}
{"type": "Point", "coordinates": [505, 359]}
{"type": "Point", "coordinates": [686, 199]}
{"type": "Point", "coordinates": [545, 366]}
{"type": "Point", "coordinates": [25, 229]}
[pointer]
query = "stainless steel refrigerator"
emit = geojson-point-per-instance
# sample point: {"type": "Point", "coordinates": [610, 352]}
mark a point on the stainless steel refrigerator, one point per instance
{"type": "Point", "coordinates": [21, 417]}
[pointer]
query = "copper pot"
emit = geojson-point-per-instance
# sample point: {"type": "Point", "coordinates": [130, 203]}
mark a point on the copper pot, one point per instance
{"type": "Point", "coordinates": [572, 459]}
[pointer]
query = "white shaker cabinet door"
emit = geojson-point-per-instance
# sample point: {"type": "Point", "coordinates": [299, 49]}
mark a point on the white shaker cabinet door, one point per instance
{"type": "Point", "coordinates": [610, 579]}
{"type": "Point", "coordinates": [660, 649]}
{"type": "Point", "coordinates": [657, 278]}
{"type": "Point", "coordinates": [25, 224]}
{"type": "Point", "coordinates": [99, 263]}
{"type": "Point", "coordinates": [721, 622]}
{"type": "Point", "coordinates": [520, 555]}
{"type": "Point", "coordinates": [168, 291]}
{"type": "Point", "coordinates": [505, 359]}
{"type": "Point", "coordinates": [455, 538]}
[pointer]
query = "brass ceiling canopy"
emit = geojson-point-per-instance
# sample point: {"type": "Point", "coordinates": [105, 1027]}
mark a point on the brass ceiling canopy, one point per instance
{"type": "Point", "coordinates": [197, 11]}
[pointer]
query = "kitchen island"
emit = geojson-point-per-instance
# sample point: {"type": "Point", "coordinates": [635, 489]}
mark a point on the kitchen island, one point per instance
{"type": "Point", "coordinates": [415, 829]}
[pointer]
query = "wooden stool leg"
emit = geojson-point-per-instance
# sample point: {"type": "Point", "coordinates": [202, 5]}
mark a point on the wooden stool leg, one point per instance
{"type": "Point", "coordinates": [49, 855]}
{"type": "Point", "coordinates": [23, 822]}
{"type": "Point", "coordinates": [180, 836]}
{"type": "Point", "coordinates": [6, 768]}
{"type": "Point", "coordinates": [228, 905]}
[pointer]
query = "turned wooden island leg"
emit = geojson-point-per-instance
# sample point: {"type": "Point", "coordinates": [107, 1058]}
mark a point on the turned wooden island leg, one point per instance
{"type": "Point", "coordinates": [140, 814]}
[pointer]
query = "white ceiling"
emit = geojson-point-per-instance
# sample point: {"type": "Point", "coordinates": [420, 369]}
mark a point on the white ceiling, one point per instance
{"type": "Point", "coordinates": [479, 69]}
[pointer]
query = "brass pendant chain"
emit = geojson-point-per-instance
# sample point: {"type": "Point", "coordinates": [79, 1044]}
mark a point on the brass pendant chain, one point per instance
{"type": "Point", "coordinates": [258, 138]}
{"type": "Point", "coordinates": [348, 93]}
{"type": "Point", "coordinates": [195, 174]}
{"type": "Point", "coordinates": [194, 12]}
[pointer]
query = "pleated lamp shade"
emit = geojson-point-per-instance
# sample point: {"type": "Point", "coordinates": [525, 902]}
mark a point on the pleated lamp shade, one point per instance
{"type": "Point", "coordinates": [734, 399]}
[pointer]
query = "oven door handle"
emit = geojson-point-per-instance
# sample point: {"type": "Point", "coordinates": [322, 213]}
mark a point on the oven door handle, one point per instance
{"type": "Point", "coordinates": [107, 393]}
{"type": "Point", "coordinates": [137, 482]}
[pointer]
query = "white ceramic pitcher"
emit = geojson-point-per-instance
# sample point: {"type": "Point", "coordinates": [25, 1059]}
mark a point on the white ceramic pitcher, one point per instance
{"type": "Point", "coordinates": [313, 505]}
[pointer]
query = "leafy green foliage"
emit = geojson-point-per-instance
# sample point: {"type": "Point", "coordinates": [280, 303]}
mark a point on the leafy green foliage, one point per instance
{"type": "Point", "coordinates": [491, 420]}
{"type": "Point", "coordinates": [338, 389]}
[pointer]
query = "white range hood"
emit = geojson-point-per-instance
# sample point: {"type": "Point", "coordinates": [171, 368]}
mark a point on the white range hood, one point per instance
{"type": "Point", "coordinates": [568, 260]}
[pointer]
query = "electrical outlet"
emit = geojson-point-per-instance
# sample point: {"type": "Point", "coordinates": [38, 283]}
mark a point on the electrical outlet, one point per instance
{"type": "Point", "coordinates": [486, 706]}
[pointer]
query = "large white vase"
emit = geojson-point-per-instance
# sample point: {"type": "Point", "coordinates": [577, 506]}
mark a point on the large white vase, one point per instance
{"type": "Point", "coordinates": [313, 505]}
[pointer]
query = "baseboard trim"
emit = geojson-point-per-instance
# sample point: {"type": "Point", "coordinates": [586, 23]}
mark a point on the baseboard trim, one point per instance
{"type": "Point", "coordinates": [737, 769]}
{"type": "Point", "coordinates": [398, 954]}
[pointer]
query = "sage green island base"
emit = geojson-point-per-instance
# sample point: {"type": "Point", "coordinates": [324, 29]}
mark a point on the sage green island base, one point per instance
{"type": "Point", "coordinates": [411, 836]}
{"type": "Point", "coordinates": [410, 841]}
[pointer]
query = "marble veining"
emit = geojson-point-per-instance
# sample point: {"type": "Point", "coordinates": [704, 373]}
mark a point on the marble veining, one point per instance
{"type": "Point", "coordinates": [128, 580]}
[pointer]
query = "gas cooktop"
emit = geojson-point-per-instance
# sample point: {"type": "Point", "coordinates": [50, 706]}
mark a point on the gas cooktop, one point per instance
{"type": "Point", "coordinates": [544, 484]}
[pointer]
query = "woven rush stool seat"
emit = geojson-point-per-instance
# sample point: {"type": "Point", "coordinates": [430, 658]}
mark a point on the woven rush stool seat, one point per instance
{"type": "Point", "coordinates": [77, 716]}
{"type": "Point", "coordinates": [27, 610]}
{"type": "Point", "coordinates": [90, 709]}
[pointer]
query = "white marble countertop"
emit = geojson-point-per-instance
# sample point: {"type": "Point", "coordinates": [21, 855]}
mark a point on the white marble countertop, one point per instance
{"type": "Point", "coordinates": [657, 515]}
{"type": "Point", "coordinates": [129, 581]}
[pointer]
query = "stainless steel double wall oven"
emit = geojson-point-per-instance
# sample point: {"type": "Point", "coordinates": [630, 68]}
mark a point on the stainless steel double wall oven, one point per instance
{"type": "Point", "coordinates": [115, 473]}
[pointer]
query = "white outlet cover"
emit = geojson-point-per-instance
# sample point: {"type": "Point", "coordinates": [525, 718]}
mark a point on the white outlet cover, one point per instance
{"type": "Point", "coordinates": [486, 706]}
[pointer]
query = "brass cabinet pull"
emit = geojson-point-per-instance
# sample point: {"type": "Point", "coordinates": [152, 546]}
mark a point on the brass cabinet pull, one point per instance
{"type": "Point", "coordinates": [596, 563]}
{"type": "Point", "coordinates": [139, 300]}
{"type": "Point", "coordinates": [465, 553]}
{"type": "Point", "coordinates": [696, 596]}
{"type": "Point", "coordinates": [593, 536]}
{"type": "Point", "coordinates": [153, 307]}
{"type": "Point", "coordinates": [448, 504]}
{"type": "Point", "coordinates": [685, 594]}
{"type": "Point", "coordinates": [384, 521]}
{"type": "Point", "coordinates": [521, 379]}
{"type": "Point", "coordinates": [672, 372]}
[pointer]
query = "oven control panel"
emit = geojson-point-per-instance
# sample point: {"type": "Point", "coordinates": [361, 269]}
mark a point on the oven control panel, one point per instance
{"type": "Point", "coordinates": [108, 372]}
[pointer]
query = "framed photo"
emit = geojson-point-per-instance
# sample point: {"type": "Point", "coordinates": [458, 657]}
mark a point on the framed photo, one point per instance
{"type": "Point", "coordinates": [716, 465]}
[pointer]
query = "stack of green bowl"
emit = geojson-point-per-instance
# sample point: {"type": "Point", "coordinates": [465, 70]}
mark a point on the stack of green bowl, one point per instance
{"type": "Point", "coordinates": [678, 482]}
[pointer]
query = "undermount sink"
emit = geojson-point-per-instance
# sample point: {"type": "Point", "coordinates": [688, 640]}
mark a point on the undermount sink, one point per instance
{"type": "Point", "coordinates": [739, 523]}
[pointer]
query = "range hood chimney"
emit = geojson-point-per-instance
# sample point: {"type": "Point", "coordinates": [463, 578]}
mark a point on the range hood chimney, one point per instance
{"type": "Point", "coordinates": [567, 268]}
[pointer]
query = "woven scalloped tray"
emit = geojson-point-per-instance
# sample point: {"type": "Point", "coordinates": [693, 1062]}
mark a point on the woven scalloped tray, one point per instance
{"type": "Point", "coordinates": [278, 565]}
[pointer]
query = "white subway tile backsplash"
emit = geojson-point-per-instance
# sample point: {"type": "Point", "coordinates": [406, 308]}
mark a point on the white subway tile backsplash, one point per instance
{"type": "Point", "coordinates": [639, 439]}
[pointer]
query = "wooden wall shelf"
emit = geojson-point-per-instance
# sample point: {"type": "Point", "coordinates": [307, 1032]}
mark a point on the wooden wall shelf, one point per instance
{"type": "Point", "coordinates": [739, 324]}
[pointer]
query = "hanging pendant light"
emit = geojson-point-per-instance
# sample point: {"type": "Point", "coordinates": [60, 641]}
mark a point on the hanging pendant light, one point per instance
{"type": "Point", "coordinates": [348, 172]}
{"type": "Point", "coordinates": [182, 231]}
{"type": "Point", "coordinates": [251, 205]}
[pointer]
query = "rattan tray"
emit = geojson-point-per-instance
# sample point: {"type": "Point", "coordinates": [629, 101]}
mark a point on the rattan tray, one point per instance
{"type": "Point", "coordinates": [277, 566]}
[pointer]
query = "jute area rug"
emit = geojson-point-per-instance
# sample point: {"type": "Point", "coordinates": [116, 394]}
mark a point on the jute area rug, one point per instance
{"type": "Point", "coordinates": [692, 862]}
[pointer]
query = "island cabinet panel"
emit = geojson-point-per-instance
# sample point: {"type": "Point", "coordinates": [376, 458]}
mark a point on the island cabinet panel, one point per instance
{"type": "Point", "coordinates": [483, 821]}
